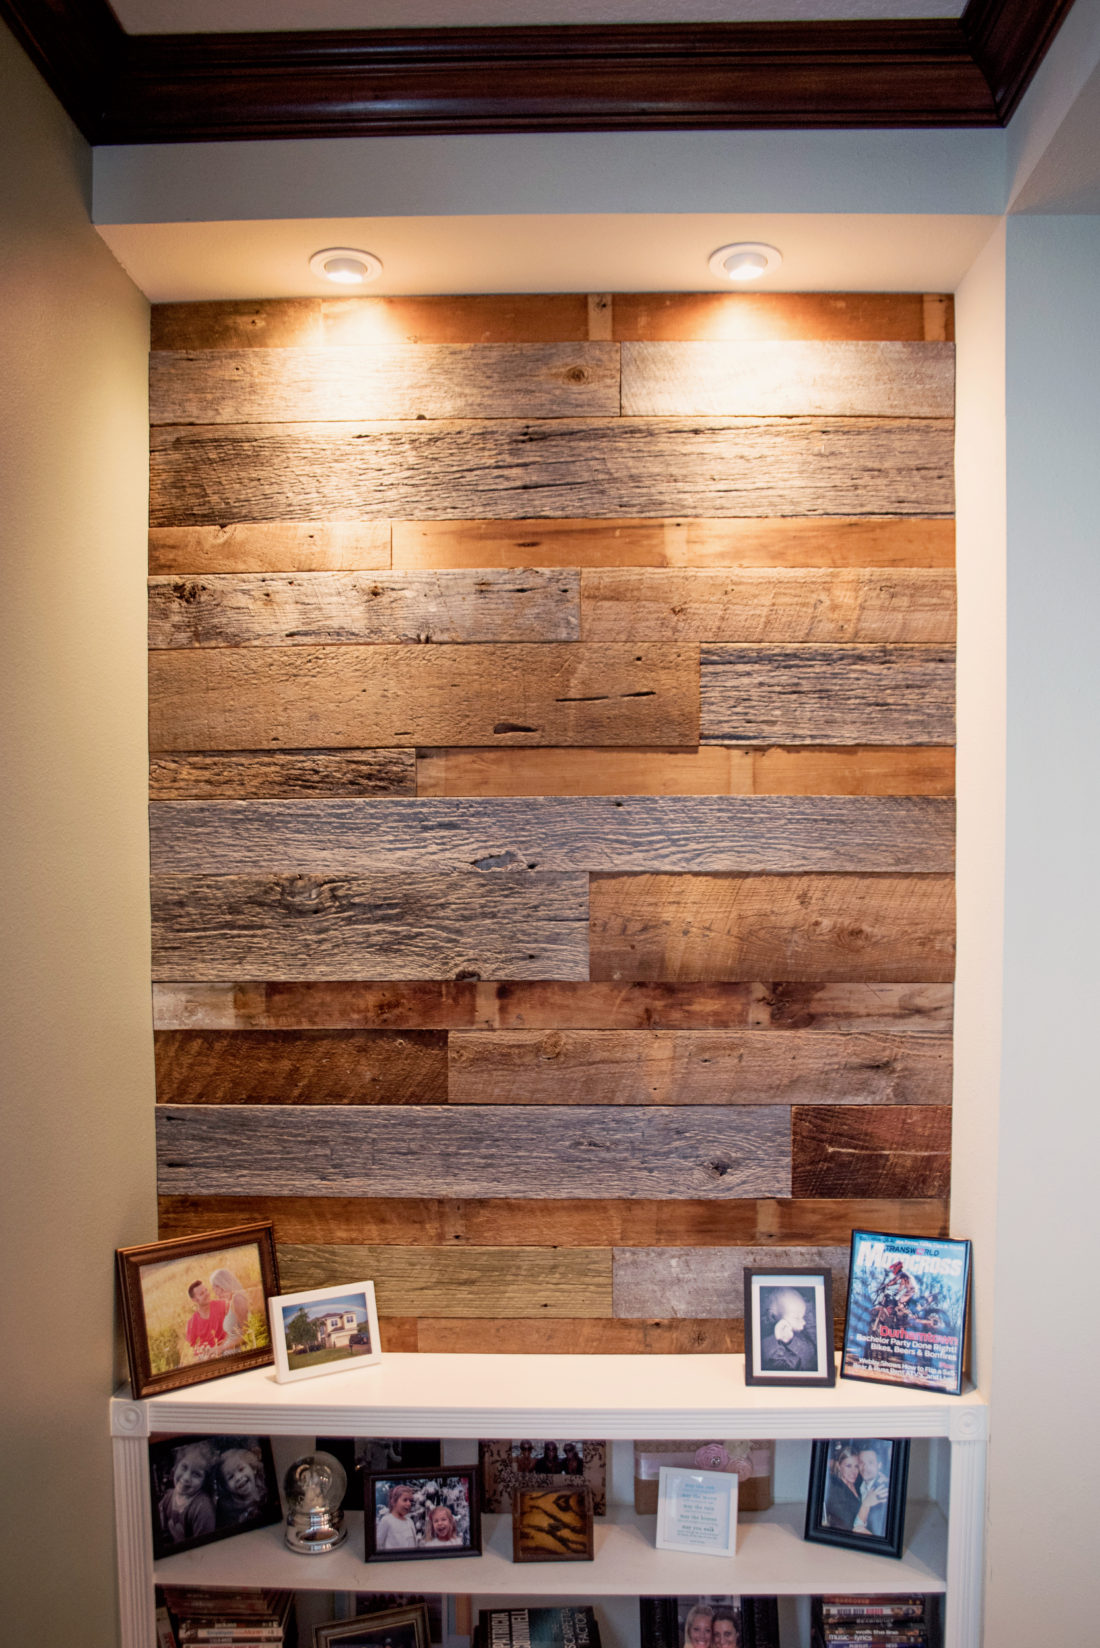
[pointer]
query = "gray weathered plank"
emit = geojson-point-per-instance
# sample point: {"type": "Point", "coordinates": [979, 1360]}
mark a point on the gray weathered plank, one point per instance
{"type": "Point", "coordinates": [301, 1066]}
{"type": "Point", "coordinates": [507, 925]}
{"type": "Point", "coordinates": [473, 1151]}
{"type": "Point", "coordinates": [299, 609]}
{"type": "Point", "coordinates": [707, 1282]}
{"type": "Point", "coordinates": [252, 775]}
{"type": "Point", "coordinates": [827, 695]}
{"type": "Point", "coordinates": [506, 470]}
{"type": "Point", "coordinates": [618, 1067]}
{"type": "Point", "coordinates": [910, 834]}
{"type": "Point", "coordinates": [348, 697]}
{"type": "Point", "coordinates": [772, 378]}
{"type": "Point", "coordinates": [385, 380]}
{"type": "Point", "coordinates": [762, 606]}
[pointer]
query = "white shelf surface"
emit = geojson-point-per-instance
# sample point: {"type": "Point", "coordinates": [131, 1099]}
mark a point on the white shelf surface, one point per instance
{"type": "Point", "coordinates": [772, 1560]}
{"type": "Point", "coordinates": [583, 1396]}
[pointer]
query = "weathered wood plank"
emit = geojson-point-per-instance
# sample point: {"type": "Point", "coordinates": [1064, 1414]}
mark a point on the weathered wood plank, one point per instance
{"type": "Point", "coordinates": [301, 1066]}
{"type": "Point", "coordinates": [430, 1222]}
{"type": "Point", "coordinates": [504, 469]}
{"type": "Point", "coordinates": [397, 696]}
{"type": "Point", "coordinates": [755, 378]}
{"type": "Point", "coordinates": [759, 606]}
{"type": "Point", "coordinates": [504, 925]}
{"type": "Point", "coordinates": [280, 775]}
{"type": "Point", "coordinates": [282, 322]}
{"type": "Point", "coordinates": [281, 610]}
{"type": "Point", "coordinates": [447, 1004]}
{"type": "Point", "coordinates": [472, 1281]}
{"type": "Point", "coordinates": [270, 546]}
{"type": "Point", "coordinates": [713, 316]}
{"type": "Point", "coordinates": [827, 695]}
{"type": "Point", "coordinates": [884, 1152]}
{"type": "Point", "coordinates": [580, 1337]}
{"type": "Point", "coordinates": [398, 1333]}
{"type": "Point", "coordinates": [388, 380]}
{"type": "Point", "coordinates": [619, 1067]}
{"type": "Point", "coordinates": [705, 1282]}
{"type": "Point", "coordinates": [781, 542]}
{"type": "Point", "coordinates": [712, 769]}
{"type": "Point", "coordinates": [802, 928]}
{"type": "Point", "coordinates": [472, 1151]}
{"type": "Point", "coordinates": [626, 834]}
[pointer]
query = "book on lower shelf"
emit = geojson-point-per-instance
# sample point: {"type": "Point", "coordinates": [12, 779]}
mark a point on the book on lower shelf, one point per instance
{"type": "Point", "coordinates": [870, 1622]}
{"type": "Point", "coordinates": [567, 1627]}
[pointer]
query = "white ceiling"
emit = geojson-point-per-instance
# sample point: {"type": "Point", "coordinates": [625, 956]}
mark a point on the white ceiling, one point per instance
{"type": "Point", "coordinates": [221, 16]}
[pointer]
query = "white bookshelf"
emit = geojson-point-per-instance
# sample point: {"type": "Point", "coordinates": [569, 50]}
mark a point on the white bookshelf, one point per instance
{"type": "Point", "coordinates": [612, 1397]}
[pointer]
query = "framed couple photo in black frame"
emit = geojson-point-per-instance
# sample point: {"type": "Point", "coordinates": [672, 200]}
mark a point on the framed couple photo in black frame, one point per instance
{"type": "Point", "coordinates": [856, 1495]}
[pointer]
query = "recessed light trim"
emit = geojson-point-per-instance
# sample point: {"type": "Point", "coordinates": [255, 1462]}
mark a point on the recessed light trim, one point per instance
{"type": "Point", "coordinates": [346, 265]}
{"type": "Point", "coordinates": [744, 260]}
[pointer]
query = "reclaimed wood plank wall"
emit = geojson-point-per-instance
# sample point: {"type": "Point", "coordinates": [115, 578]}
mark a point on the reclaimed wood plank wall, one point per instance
{"type": "Point", "coordinates": [552, 707]}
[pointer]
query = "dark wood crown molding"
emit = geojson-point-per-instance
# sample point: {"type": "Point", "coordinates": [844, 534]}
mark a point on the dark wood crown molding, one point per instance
{"type": "Point", "coordinates": [123, 88]}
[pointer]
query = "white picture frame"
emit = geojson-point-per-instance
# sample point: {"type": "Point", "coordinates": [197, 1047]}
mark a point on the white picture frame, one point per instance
{"type": "Point", "coordinates": [697, 1511]}
{"type": "Point", "coordinates": [341, 1318]}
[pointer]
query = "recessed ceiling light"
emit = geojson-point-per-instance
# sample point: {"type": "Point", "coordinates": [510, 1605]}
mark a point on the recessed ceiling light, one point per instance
{"type": "Point", "coordinates": [744, 260]}
{"type": "Point", "coordinates": [346, 265]}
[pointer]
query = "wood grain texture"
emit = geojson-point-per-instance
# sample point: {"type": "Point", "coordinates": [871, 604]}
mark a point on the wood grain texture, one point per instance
{"type": "Point", "coordinates": [297, 322]}
{"type": "Point", "coordinates": [759, 379]}
{"type": "Point", "coordinates": [712, 769]}
{"type": "Point", "coordinates": [827, 695]}
{"type": "Point", "coordinates": [697, 834]}
{"type": "Point", "coordinates": [800, 928]}
{"type": "Point", "coordinates": [638, 1067]}
{"type": "Point", "coordinates": [431, 1222]}
{"type": "Point", "coordinates": [580, 1337]}
{"type": "Point", "coordinates": [472, 1151]}
{"type": "Point", "coordinates": [448, 1004]}
{"type": "Point", "coordinates": [752, 316]}
{"type": "Point", "coordinates": [844, 541]}
{"type": "Point", "coordinates": [888, 1151]}
{"type": "Point", "coordinates": [270, 546]}
{"type": "Point", "coordinates": [396, 696]}
{"type": "Point", "coordinates": [760, 606]}
{"type": "Point", "coordinates": [705, 1282]}
{"type": "Point", "coordinates": [388, 380]}
{"type": "Point", "coordinates": [293, 609]}
{"type": "Point", "coordinates": [380, 926]}
{"type": "Point", "coordinates": [460, 1283]}
{"type": "Point", "coordinates": [301, 1066]}
{"type": "Point", "coordinates": [280, 775]}
{"type": "Point", "coordinates": [503, 469]}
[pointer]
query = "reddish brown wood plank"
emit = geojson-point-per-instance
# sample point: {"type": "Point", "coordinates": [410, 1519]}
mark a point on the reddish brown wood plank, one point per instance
{"type": "Point", "coordinates": [280, 775]}
{"type": "Point", "coordinates": [398, 1333]}
{"type": "Point", "coordinates": [288, 322]}
{"type": "Point", "coordinates": [301, 1066]}
{"type": "Point", "coordinates": [579, 1337]}
{"type": "Point", "coordinates": [800, 928]}
{"type": "Point", "coordinates": [778, 542]}
{"type": "Point", "coordinates": [890, 1151]}
{"type": "Point", "coordinates": [711, 769]}
{"type": "Point", "coordinates": [349, 697]}
{"type": "Point", "coordinates": [270, 546]}
{"type": "Point", "coordinates": [693, 1067]}
{"type": "Point", "coordinates": [346, 1221]}
{"type": "Point", "coordinates": [712, 316]}
{"type": "Point", "coordinates": [449, 1004]}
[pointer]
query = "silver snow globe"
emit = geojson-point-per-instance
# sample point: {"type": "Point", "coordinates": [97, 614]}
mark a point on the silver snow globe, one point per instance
{"type": "Point", "coordinates": [315, 1486]}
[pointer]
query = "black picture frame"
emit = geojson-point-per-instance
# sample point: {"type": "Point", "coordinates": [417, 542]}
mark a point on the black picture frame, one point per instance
{"type": "Point", "coordinates": [837, 1508]}
{"type": "Point", "coordinates": [664, 1621]}
{"type": "Point", "coordinates": [908, 1305]}
{"type": "Point", "coordinates": [790, 1346]}
{"type": "Point", "coordinates": [402, 1627]}
{"type": "Point", "coordinates": [238, 1489]}
{"type": "Point", "coordinates": [452, 1487]}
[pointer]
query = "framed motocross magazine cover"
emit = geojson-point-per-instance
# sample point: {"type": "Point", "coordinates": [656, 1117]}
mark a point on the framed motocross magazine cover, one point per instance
{"type": "Point", "coordinates": [907, 1311]}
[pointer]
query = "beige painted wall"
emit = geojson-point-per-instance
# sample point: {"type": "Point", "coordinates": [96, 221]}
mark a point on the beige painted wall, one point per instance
{"type": "Point", "coordinates": [76, 1172]}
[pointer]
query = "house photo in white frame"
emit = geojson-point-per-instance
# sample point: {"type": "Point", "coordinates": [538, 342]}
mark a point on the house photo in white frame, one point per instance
{"type": "Point", "coordinates": [327, 1330]}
